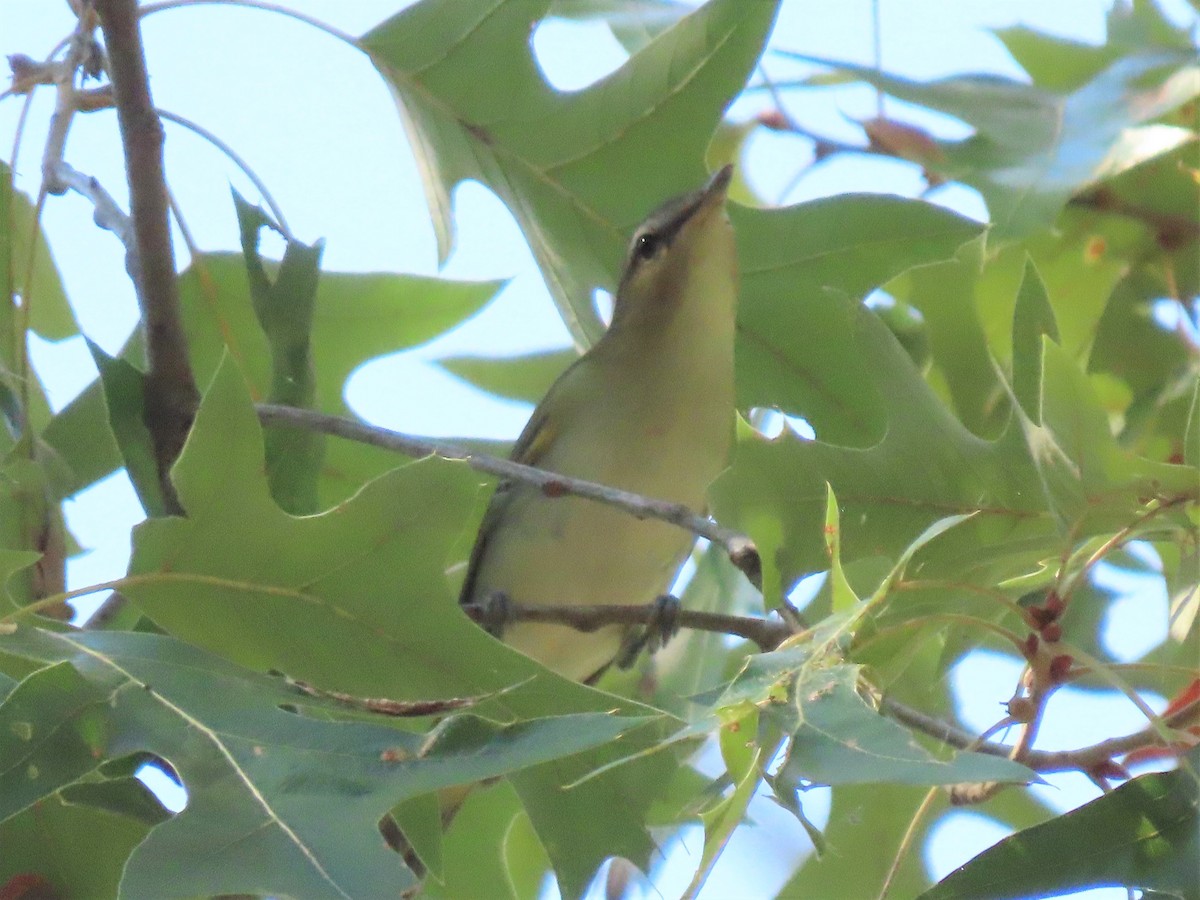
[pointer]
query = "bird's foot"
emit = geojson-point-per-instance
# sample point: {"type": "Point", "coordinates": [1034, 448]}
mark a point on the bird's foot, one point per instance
{"type": "Point", "coordinates": [663, 625]}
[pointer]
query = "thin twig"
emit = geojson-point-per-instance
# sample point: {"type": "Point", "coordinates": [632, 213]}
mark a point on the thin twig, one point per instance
{"type": "Point", "coordinates": [1170, 230]}
{"type": "Point", "coordinates": [171, 396]}
{"type": "Point", "coordinates": [276, 8]}
{"type": "Point", "coordinates": [108, 215]}
{"type": "Point", "coordinates": [1080, 759]}
{"type": "Point", "coordinates": [741, 550]}
{"type": "Point", "coordinates": [768, 634]}
{"type": "Point", "coordinates": [258, 183]}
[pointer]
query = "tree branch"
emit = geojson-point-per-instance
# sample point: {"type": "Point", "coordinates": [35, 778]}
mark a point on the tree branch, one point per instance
{"type": "Point", "coordinates": [108, 215]}
{"type": "Point", "coordinates": [171, 396]}
{"type": "Point", "coordinates": [1082, 759]}
{"type": "Point", "coordinates": [768, 634]}
{"type": "Point", "coordinates": [741, 550]}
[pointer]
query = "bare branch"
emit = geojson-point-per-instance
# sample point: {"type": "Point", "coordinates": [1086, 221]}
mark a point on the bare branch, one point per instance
{"type": "Point", "coordinates": [171, 396]}
{"type": "Point", "coordinates": [108, 214]}
{"type": "Point", "coordinates": [1081, 759]}
{"type": "Point", "coordinates": [741, 550]}
{"type": "Point", "coordinates": [768, 634]}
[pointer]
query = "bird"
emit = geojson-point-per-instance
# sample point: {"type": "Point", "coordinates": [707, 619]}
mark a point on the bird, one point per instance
{"type": "Point", "coordinates": [649, 408]}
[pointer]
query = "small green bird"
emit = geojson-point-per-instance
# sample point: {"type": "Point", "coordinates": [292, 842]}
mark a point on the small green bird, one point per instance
{"type": "Point", "coordinates": [648, 409]}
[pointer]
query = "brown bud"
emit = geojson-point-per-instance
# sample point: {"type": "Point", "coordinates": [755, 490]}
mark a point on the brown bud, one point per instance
{"type": "Point", "coordinates": [1060, 668]}
{"type": "Point", "coordinates": [1021, 709]}
{"type": "Point", "coordinates": [1030, 647]}
{"type": "Point", "coordinates": [1041, 616]}
{"type": "Point", "coordinates": [1052, 633]}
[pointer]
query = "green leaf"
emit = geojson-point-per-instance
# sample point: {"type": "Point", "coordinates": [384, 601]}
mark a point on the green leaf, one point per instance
{"type": "Point", "coordinates": [866, 826]}
{"type": "Point", "coordinates": [525, 859]}
{"type": "Point", "coordinates": [844, 599]}
{"type": "Point", "coordinates": [81, 441]}
{"type": "Point", "coordinates": [1145, 834]}
{"type": "Point", "coordinates": [722, 819]}
{"type": "Point", "coordinates": [1033, 148]}
{"type": "Point", "coordinates": [925, 466]}
{"type": "Point", "coordinates": [284, 307]}
{"type": "Point", "coordinates": [124, 397]}
{"type": "Point", "coordinates": [1055, 64]}
{"type": "Point", "coordinates": [836, 738]}
{"type": "Point", "coordinates": [475, 107]}
{"type": "Point", "coordinates": [1191, 439]}
{"type": "Point", "coordinates": [280, 802]}
{"type": "Point", "coordinates": [801, 269]}
{"type": "Point", "coordinates": [634, 23]}
{"type": "Point", "coordinates": [357, 317]}
{"type": "Point", "coordinates": [260, 580]}
{"type": "Point", "coordinates": [66, 850]}
{"type": "Point", "coordinates": [525, 378]}
{"type": "Point", "coordinates": [126, 796]}
{"type": "Point", "coordinates": [44, 743]}
{"type": "Point", "coordinates": [1032, 319]}
{"type": "Point", "coordinates": [963, 371]}
{"type": "Point", "coordinates": [474, 845]}
{"type": "Point", "coordinates": [50, 314]}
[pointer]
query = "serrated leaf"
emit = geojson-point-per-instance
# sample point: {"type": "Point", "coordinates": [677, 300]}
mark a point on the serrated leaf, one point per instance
{"type": "Point", "coordinates": [924, 466]}
{"type": "Point", "coordinates": [1145, 834]}
{"type": "Point", "coordinates": [802, 269]}
{"type": "Point", "coordinates": [279, 802]}
{"type": "Point", "coordinates": [475, 107]}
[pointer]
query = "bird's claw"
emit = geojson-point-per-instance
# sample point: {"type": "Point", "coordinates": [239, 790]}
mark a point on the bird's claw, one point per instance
{"type": "Point", "coordinates": [663, 625]}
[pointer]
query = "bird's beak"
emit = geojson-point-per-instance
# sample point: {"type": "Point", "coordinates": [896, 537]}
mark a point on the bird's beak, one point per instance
{"type": "Point", "coordinates": [714, 192]}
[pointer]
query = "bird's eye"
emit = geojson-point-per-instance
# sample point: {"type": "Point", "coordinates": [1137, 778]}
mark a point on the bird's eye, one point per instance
{"type": "Point", "coordinates": [645, 246]}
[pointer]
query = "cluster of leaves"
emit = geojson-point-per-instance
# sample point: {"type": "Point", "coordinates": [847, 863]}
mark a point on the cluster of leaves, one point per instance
{"type": "Point", "coordinates": [1015, 414]}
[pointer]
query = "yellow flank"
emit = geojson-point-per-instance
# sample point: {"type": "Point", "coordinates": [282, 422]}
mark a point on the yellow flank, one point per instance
{"type": "Point", "coordinates": [648, 409]}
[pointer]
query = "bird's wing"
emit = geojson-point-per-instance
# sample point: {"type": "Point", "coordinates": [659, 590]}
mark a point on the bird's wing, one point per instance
{"type": "Point", "coordinates": [536, 439]}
